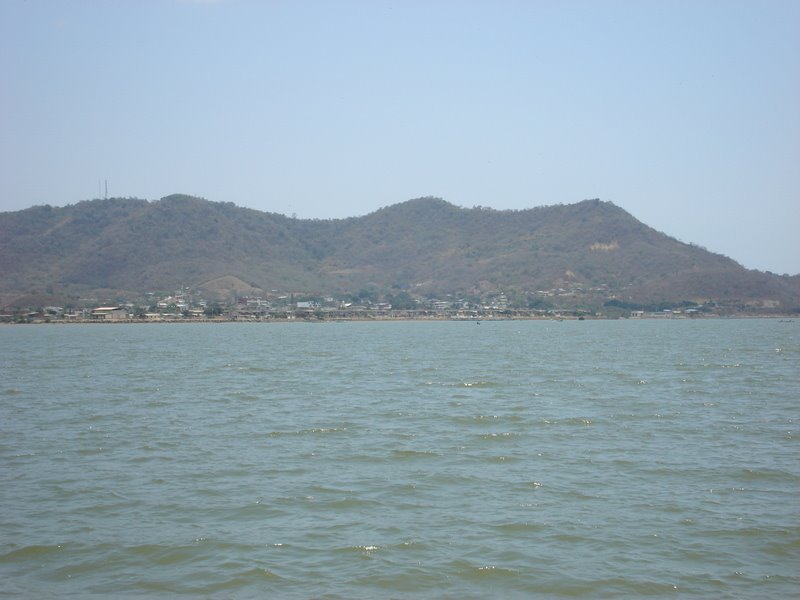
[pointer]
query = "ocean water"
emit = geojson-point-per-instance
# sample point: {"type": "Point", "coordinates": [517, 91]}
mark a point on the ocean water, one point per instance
{"type": "Point", "coordinates": [588, 459]}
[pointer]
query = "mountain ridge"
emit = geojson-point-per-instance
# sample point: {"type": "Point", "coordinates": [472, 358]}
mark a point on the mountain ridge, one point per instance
{"type": "Point", "coordinates": [425, 246]}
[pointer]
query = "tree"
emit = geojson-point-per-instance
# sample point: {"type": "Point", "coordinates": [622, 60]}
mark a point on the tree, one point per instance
{"type": "Point", "coordinates": [213, 311]}
{"type": "Point", "coordinates": [401, 301]}
{"type": "Point", "coordinates": [366, 296]}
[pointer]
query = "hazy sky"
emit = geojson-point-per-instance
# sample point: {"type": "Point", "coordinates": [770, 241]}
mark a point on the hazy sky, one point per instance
{"type": "Point", "coordinates": [686, 114]}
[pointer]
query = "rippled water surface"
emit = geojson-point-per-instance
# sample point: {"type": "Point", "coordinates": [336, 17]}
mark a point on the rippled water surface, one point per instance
{"type": "Point", "coordinates": [410, 459]}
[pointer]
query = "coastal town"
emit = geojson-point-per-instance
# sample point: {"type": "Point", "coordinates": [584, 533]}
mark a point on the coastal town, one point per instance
{"type": "Point", "coordinates": [185, 305]}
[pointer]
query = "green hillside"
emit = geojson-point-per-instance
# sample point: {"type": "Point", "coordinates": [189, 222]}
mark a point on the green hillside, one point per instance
{"type": "Point", "coordinates": [591, 250]}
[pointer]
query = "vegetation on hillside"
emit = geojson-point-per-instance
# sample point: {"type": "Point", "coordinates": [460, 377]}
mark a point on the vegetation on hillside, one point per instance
{"type": "Point", "coordinates": [593, 250]}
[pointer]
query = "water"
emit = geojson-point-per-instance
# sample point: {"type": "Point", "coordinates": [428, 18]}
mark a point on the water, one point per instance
{"type": "Point", "coordinates": [408, 459]}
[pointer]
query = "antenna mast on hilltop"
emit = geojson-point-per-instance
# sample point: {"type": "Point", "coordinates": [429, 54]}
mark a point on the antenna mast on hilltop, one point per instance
{"type": "Point", "coordinates": [106, 198]}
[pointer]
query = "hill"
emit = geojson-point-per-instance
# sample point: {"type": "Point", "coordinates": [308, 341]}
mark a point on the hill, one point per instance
{"type": "Point", "coordinates": [589, 252]}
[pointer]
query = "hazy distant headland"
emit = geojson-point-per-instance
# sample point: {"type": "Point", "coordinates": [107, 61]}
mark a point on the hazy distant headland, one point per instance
{"type": "Point", "coordinates": [589, 257]}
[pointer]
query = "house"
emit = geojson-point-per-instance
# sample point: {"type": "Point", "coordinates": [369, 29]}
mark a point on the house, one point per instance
{"type": "Point", "coordinates": [110, 313]}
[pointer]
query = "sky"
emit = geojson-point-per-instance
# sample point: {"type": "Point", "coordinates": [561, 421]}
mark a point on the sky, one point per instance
{"type": "Point", "coordinates": [684, 113]}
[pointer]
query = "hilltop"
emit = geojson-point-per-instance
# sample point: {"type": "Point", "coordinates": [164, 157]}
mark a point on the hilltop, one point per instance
{"type": "Point", "coordinates": [589, 253]}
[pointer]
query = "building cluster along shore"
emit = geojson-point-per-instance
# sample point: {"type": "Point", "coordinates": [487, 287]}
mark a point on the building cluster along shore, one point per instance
{"type": "Point", "coordinates": [187, 306]}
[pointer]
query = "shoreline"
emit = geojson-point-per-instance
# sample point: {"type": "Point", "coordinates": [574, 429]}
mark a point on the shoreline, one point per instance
{"type": "Point", "coordinates": [384, 319]}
